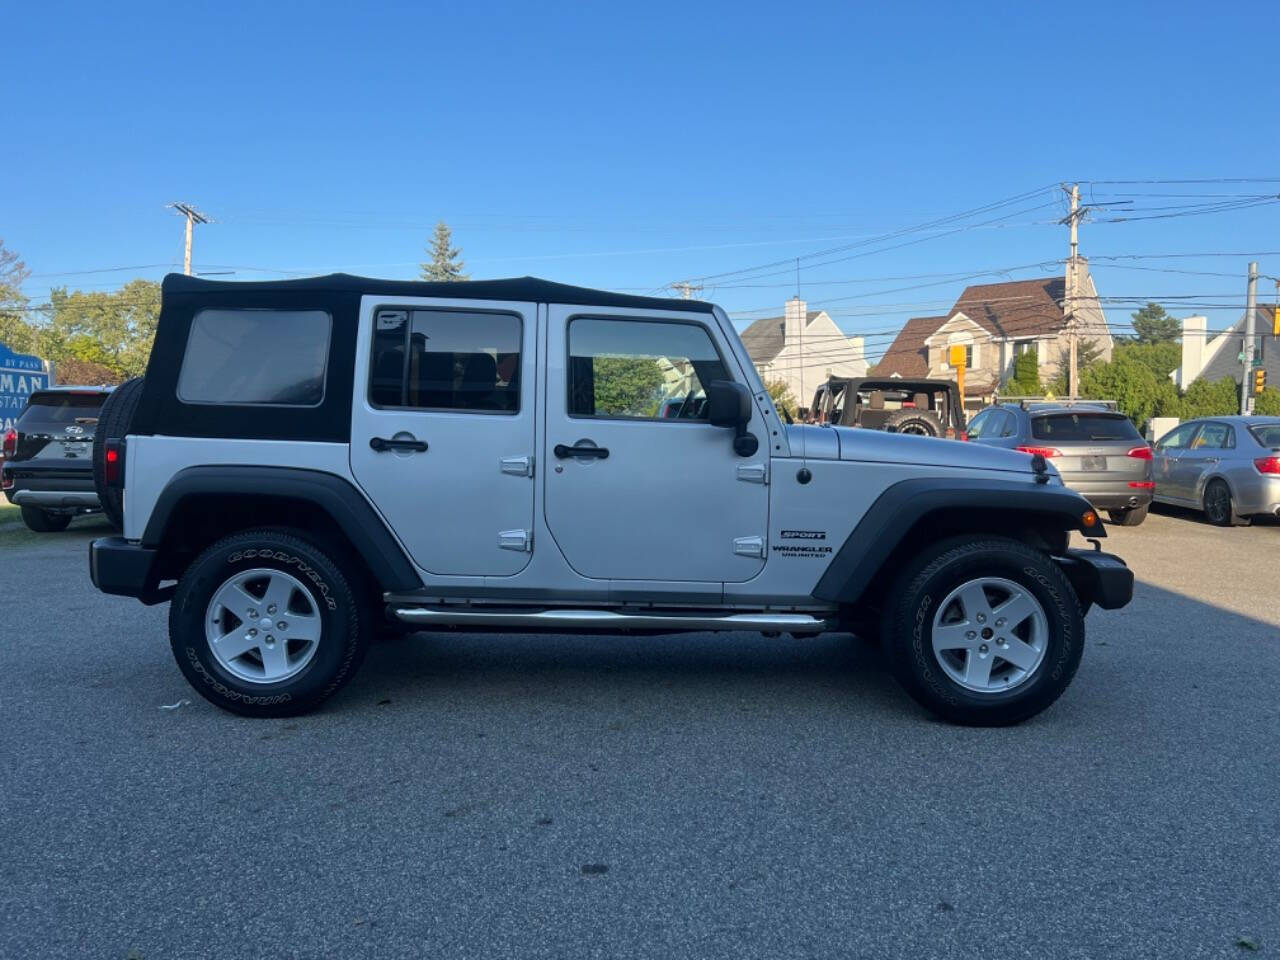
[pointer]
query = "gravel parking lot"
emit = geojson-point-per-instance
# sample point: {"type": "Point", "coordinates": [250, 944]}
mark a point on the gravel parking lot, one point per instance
{"type": "Point", "coordinates": [690, 796]}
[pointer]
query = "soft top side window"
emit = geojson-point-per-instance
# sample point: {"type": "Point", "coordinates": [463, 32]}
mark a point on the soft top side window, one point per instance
{"type": "Point", "coordinates": [256, 357]}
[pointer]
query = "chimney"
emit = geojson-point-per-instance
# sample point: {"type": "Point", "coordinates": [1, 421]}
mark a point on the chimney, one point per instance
{"type": "Point", "coordinates": [1194, 335]}
{"type": "Point", "coordinates": [793, 324]}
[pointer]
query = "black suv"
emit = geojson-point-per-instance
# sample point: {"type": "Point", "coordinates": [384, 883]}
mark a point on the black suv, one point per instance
{"type": "Point", "coordinates": [48, 456]}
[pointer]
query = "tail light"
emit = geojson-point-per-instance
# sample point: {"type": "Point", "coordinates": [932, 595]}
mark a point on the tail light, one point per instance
{"type": "Point", "coordinates": [1143, 484]}
{"type": "Point", "coordinates": [964, 435]}
{"type": "Point", "coordinates": [1268, 464]}
{"type": "Point", "coordinates": [10, 443]}
{"type": "Point", "coordinates": [1140, 453]}
{"type": "Point", "coordinates": [1045, 452]}
{"type": "Point", "coordinates": [113, 463]}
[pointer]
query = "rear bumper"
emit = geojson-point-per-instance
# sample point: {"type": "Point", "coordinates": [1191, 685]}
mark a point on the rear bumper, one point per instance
{"type": "Point", "coordinates": [1258, 494]}
{"type": "Point", "coordinates": [126, 569]}
{"type": "Point", "coordinates": [1109, 495]}
{"type": "Point", "coordinates": [1099, 578]}
{"type": "Point", "coordinates": [54, 499]}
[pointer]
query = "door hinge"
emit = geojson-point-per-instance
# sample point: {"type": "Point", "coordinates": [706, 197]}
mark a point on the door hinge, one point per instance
{"type": "Point", "coordinates": [754, 473]}
{"type": "Point", "coordinates": [518, 540]}
{"type": "Point", "coordinates": [517, 466]}
{"type": "Point", "coordinates": [749, 546]}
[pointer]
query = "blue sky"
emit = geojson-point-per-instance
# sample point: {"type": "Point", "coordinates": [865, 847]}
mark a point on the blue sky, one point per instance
{"type": "Point", "coordinates": [631, 146]}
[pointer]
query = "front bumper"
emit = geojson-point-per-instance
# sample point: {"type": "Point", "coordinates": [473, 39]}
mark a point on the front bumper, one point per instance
{"type": "Point", "coordinates": [1099, 578]}
{"type": "Point", "coordinates": [126, 569]}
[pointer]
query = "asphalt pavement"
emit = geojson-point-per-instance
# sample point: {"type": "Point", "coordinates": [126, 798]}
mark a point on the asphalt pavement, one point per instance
{"type": "Point", "coordinates": [688, 796]}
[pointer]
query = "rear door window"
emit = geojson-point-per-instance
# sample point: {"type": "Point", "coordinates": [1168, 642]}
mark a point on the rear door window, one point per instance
{"type": "Point", "coordinates": [1082, 427]}
{"type": "Point", "coordinates": [1215, 436]}
{"type": "Point", "coordinates": [257, 357]}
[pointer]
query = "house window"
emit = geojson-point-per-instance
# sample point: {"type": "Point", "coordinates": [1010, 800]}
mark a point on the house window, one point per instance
{"type": "Point", "coordinates": [1023, 346]}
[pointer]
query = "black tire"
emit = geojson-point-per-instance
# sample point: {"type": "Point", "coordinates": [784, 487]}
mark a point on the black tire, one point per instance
{"type": "Point", "coordinates": [44, 521]}
{"type": "Point", "coordinates": [1220, 507]}
{"type": "Point", "coordinates": [909, 420]}
{"type": "Point", "coordinates": [113, 424]}
{"type": "Point", "coordinates": [345, 624]}
{"type": "Point", "coordinates": [906, 630]}
{"type": "Point", "coordinates": [1129, 517]}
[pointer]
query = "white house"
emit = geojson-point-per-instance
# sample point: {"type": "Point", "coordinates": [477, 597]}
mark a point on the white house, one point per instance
{"type": "Point", "coordinates": [802, 348]}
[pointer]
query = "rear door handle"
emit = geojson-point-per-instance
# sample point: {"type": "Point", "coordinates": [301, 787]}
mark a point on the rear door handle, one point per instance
{"type": "Point", "coordinates": [380, 444]}
{"type": "Point", "coordinates": [562, 451]}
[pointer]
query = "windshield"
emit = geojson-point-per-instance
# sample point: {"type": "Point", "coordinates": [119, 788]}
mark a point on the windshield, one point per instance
{"type": "Point", "coordinates": [1083, 427]}
{"type": "Point", "coordinates": [1267, 434]}
{"type": "Point", "coordinates": [61, 408]}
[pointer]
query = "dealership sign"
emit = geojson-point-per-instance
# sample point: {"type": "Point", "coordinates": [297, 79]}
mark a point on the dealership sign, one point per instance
{"type": "Point", "coordinates": [20, 376]}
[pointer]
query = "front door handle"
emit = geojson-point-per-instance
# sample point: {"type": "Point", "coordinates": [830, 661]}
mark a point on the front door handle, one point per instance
{"type": "Point", "coordinates": [380, 444]}
{"type": "Point", "coordinates": [562, 451]}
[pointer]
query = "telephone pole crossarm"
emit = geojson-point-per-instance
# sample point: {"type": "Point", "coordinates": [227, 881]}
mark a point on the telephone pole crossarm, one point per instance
{"type": "Point", "coordinates": [193, 216]}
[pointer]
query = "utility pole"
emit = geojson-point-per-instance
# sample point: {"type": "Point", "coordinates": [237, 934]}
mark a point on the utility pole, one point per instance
{"type": "Point", "coordinates": [687, 289]}
{"type": "Point", "coordinates": [193, 216]}
{"type": "Point", "coordinates": [1251, 307]}
{"type": "Point", "coordinates": [1073, 371]}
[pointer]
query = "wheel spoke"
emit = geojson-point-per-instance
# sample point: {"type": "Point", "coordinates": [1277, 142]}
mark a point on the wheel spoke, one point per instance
{"type": "Point", "coordinates": [237, 599]}
{"type": "Point", "coordinates": [279, 590]}
{"type": "Point", "coordinates": [275, 658]}
{"type": "Point", "coordinates": [977, 668]}
{"type": "Point", "coordinates": [1021, 655]}
{"type": "Point", "coordinates": [303, 627]}
{"type": "Point", "coordinates": [974, 601]}
{"type": "Point", "coordinates": [952, 637]}
{"type": "Point", "coordinates": [1016, 609]}
{"type": "Point", "coordinates": [235, 644]}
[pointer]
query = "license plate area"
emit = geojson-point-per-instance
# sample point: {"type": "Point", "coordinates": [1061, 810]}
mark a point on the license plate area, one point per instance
{"type": "Point", "coordinates": [1093, 464]}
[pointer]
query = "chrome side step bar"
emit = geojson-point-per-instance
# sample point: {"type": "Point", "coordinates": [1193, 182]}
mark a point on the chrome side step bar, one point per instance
{"type": "Point", "coordinates": [608, 620]}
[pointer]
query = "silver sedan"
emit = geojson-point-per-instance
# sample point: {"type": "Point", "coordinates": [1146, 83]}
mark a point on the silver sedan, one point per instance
{"type": "Point", "coordinates": [1229, 467]}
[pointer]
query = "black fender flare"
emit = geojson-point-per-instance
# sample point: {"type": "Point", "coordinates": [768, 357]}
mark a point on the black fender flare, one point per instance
{"type": "Point", "coordinates": [905, 504]}
{"type": "Point", "coordinates": [333, 494]}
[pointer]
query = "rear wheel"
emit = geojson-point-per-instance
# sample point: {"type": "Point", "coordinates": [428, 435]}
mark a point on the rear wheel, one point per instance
{"type": "Point", "coordinates": [921, 423]}
{"type": "Point", "coordinates": [1219, 508]}
{"type": "Point", "coordinates": [45, 521]}
{"type": "Point", "coordinates": [1128, 517]}
{"type": "Point", "coordinates": [985, 633]}
{"type": "Point", "coordinates": [113, 424]}
{"type": "Point", "coordinates": [267, 624]}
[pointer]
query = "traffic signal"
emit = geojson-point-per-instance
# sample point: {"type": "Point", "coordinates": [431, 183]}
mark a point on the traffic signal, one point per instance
{"type": "Point", "coordinates": [1259, 380]}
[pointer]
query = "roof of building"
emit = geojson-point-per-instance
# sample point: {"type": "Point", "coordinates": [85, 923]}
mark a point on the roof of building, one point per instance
{"type": "Point", "coordinates": [1016, 308]}
{"type": "Point", "coordinates": [1226, 362]}
{"type": "Point", "coordinates": [521, 289]}
{"type": "Point", "coordinates": [908, 356]}
{"type": "Point", "coordinates": [764, 339]}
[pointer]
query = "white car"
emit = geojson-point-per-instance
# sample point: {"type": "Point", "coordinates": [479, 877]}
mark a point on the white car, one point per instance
{"type": "Point", "coordinates": [307, 458]}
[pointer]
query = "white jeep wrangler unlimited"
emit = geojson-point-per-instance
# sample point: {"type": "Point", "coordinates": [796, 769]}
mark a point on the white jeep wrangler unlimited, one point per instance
{"type": "Point", "coordinates": [309, 459]}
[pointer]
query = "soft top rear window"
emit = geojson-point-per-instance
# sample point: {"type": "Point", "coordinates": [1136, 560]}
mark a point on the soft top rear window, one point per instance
{"type": "Point", "coordinates": [1267, 434]}
{"type": "Point", "coordinates": [62, 407]}
{"type": "Point", "coordinates": [1083, 427]}
{"type": "Point", "coordinates": [256, 356]}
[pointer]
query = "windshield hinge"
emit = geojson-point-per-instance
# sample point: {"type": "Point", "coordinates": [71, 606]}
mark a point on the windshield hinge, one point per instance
{"type": "Point", "coordinates": [517, 466]}
{"type": "Point", "coordinates": [748, 546]}
{"type": "Point", "coordinates": [518, 540]}
{"type": "Point", "coordinates": [754, 473]}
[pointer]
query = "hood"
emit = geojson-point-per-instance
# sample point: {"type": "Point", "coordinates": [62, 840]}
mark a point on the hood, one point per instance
{"type": "Point", "coordinates": [878, 446]}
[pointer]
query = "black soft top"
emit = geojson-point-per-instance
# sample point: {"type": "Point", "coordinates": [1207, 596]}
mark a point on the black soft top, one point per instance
{"type": "Point", "coordinates": [521, 289]}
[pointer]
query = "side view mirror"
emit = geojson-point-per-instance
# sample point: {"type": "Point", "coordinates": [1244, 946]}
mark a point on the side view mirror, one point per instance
{"type": "Point", "coordinates": [729, 405]}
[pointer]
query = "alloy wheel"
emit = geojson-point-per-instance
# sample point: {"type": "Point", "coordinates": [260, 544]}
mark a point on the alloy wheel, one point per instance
{"type": "Point", "coordinates": [262, 626]}
{"type": "Point", "coordinates": [990, 635]}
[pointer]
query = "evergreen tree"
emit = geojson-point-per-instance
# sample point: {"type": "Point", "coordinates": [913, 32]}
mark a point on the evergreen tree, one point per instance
{"type": "Point", "coordinates": [1152, 325]}
{"type": "Point", "coordinates": [446, 259]}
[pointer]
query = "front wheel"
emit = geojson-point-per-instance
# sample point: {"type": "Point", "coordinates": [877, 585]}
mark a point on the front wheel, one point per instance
{"type": "Point", "coordinates": [984, 633]}
{"type": "Point", "coordinates": [266, 624]}
{"type": "Point", "coordinates": [45, 521]}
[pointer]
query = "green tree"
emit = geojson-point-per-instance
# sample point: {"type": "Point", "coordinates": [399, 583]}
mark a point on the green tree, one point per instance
{"type": "Point", "coordinates": [782, 397]}
{"type": "Point", "coordinates": [1088, 353]}
{"type": "Point", "coordinates": [1025, 381]}
{"type": "Point", "coordinates": [16, 332]}
{"type": "Point", "coordinates": [1205, 399]}
{"type": "Point", "coordinates": [112, 329]}
{"type": "Point", "coordinates": [445, 263]}
{"type": "Point", "coordinates": [1267, 403]}
{"type": "Point", "coordinates": [1162, 358]}
{"type": "Point", "coordinates": [627, 386]}
{"type": "Point", "coordinates": [1139, 393]}
{"type": "Point", "coordinates": [1152, 325]}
